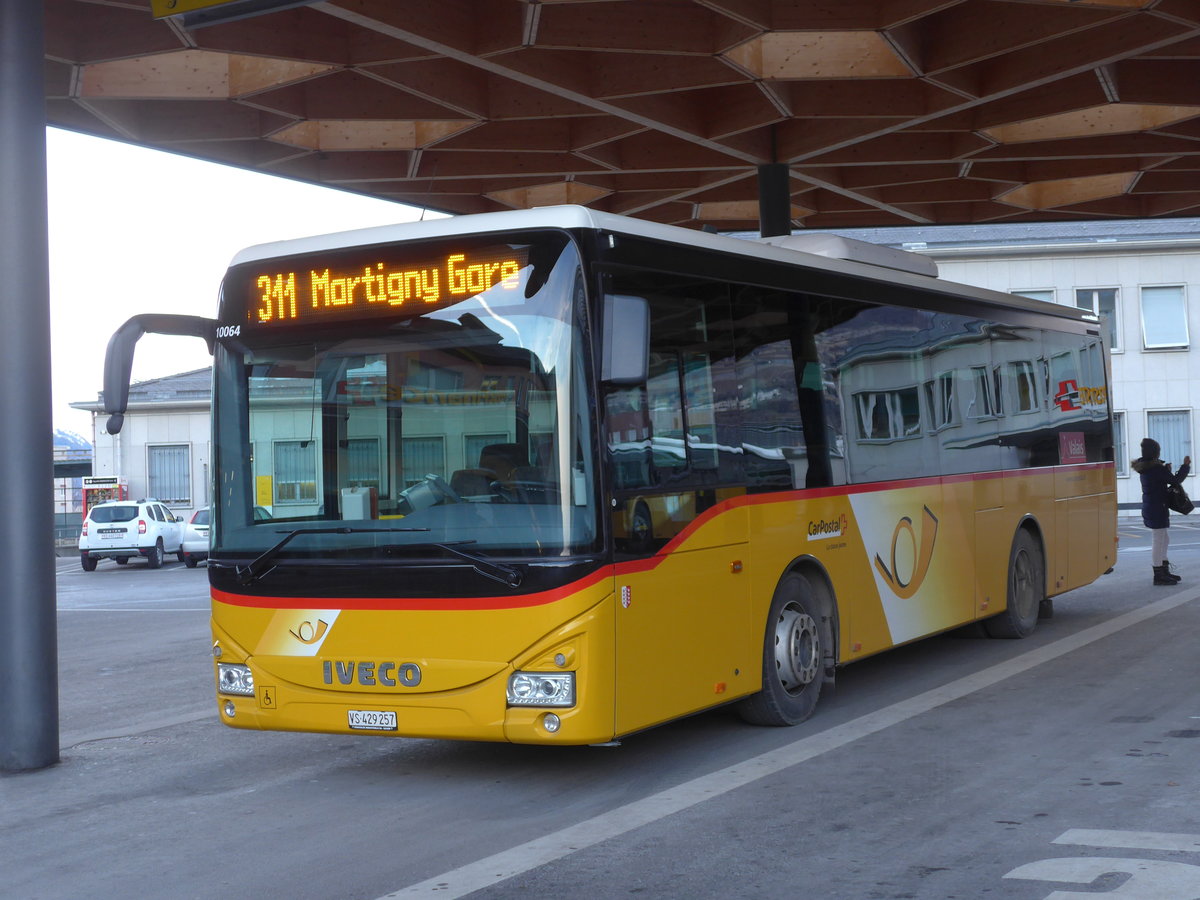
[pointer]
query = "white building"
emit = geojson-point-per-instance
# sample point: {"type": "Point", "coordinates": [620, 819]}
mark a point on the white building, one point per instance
{"type": "Point", "coordinates": [164, 449]}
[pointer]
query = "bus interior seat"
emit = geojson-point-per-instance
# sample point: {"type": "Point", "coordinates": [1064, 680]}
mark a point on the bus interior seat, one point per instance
{"type": "Point", "coordinates": [472, 482]}
{"type": "Point", "coordinates": [503, 459]}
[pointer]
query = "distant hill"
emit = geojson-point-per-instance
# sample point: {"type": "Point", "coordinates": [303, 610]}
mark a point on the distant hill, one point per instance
{"type": "Point", "coordinates": [69, 440]}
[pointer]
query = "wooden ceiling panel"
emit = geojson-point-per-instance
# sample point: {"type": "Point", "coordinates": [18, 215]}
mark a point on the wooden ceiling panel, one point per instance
{"type": "Point", "coordinates": [87, 32]}
{"type": "Point", "coordinates": [346, 94]}
{"type": "Point", "coordinates": [664, 108]}
{"type": "Point", "coordinates": [660, 27]}
{"type": "Point", "coordinates": [168, 122]}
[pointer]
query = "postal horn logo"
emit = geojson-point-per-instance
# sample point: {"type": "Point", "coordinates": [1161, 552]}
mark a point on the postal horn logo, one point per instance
{"type": "Point", "coordinates": [922, 555]}
{"type": "Point", "coordinates": [307, 633]}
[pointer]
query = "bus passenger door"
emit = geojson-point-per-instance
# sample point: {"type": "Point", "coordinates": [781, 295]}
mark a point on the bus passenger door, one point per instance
{"type": "Point", "coordinates": [683, 619]}
{"type": "Point", "coordinates": [683, 639]}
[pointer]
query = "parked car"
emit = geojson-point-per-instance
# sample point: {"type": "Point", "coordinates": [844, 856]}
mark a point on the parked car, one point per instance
{"type": "Point", "coordinates": [195, 537]}
{"type": "Point", "coordinates": [123, 529]}
{"type": "Point", "coordinates": [195, 534]}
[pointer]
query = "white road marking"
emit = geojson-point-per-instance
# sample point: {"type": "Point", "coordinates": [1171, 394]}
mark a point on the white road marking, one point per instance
{"type": "Point", "coordinates": [1132, 840]}
{"type": "Point", "coordinates": [1150, 879]}
{"type": "Point", "coordinates": [524, 857]}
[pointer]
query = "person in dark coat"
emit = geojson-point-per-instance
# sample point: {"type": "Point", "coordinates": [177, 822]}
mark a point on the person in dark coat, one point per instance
{"type": "Point", "coordinates": [1156, 515]}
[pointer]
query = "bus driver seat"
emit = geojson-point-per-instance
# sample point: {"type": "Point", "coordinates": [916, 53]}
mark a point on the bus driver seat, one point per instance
{"type": "Point", "coordinates": [497, 462]}
{"type": "Point", "coordinates": [502, 459]}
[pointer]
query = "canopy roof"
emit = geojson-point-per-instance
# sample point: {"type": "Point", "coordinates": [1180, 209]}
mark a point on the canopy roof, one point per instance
{"type": "Point", "coordinates": [892, 112]}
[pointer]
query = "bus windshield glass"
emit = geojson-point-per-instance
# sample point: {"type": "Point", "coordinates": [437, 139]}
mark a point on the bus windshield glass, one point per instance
{"type": "Point", "coordinates": [381, 401]}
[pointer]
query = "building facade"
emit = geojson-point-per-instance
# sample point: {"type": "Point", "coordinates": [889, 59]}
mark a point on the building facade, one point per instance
{"type": "Point", "coordinates": [164, 448]}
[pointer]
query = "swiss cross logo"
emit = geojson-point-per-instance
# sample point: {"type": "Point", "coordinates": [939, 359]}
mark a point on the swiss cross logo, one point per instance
{"type": "Point", "coordinates": [1067, 397]}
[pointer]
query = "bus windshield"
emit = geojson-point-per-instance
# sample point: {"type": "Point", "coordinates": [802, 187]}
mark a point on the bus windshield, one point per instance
{"type": "Point", "coordinates": [441, 421]}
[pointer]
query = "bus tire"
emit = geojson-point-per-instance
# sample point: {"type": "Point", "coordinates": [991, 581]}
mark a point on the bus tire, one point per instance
{"type": "Point", "coordinates": [1026, 590]}
{"type": "Point", "coordinates": [797, 639]}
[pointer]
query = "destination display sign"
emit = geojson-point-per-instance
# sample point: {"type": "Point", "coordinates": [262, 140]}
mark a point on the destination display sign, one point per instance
{"type": "Point", "coordinates": [366, 284]}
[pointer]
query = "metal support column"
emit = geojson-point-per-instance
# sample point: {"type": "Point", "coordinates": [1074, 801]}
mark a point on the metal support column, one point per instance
{"type": "Point", "coordinates": [28, 618]}
{"type": "Point", "coordinates": [774, 200]}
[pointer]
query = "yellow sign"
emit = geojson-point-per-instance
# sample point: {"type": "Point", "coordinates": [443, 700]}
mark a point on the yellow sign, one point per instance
{"type": "Point", "coordinates": [324, 292]}
{"type": "Point", "coordinates": [263, 494]}
{"type": "Point", "coordinates": [164, 8]}
{"type": "Point", "coordinates": [233, 9]}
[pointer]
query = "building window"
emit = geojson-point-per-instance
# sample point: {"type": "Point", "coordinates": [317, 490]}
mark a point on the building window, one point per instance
{"type": "Point", "coordinates": [1103, 302]}
{"type": "Point", "coordinates": [295, 472]}
{"type": "Point", "coordinates": [1120, 456]}
{"type": "Point", "coordinates": [1045, 294]}
{"type": "Point", "coordinates": [1164, 317]}
{"type": "Point", "coordinates": [939, 397]}
{"type": "Point", "coordinates": [362, 462]}
{"type": "Point", "coordinates": [1172, 428]}
{"type": "Point", "coordinates": [423, 456]}
{"type": "Point", "coordinates": [888, 415]}
{"type": "Point", "coordinates": [983, 404]}
{"type": "Point", "coordinates": [168, 467]}
{"type": "Point", "coordinates": [1024, 386]}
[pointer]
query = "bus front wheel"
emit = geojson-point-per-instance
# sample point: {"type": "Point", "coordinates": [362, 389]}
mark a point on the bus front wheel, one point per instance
{"type": "Point", "coordinates": [1026, 590]}
{"type": "Point", "coordinates": [797, 639]}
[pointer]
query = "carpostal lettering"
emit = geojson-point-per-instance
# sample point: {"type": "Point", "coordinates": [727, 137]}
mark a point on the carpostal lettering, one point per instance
{"type": "Point", "coordinates": [326, 291]}
{"type": "Point", "coordinates": [822, 529]}
{"type": "Point", "coordinates": [370, 673]}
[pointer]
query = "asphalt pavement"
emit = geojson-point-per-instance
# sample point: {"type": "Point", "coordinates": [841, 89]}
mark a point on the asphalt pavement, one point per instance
{"type": "Point", "coordinates": [951, 768]}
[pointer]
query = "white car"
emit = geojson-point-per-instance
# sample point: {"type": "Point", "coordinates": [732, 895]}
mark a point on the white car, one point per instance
{"type": "Point", "coordinates": [123, 529]}
{"type": "Point", "coordinates": [195, 534]}
{"type": "Point", "coordinates": [195, 537]}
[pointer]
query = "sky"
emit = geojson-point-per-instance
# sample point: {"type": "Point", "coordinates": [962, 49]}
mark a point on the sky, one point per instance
{"type": "Point", "coordinates": [138, 231]}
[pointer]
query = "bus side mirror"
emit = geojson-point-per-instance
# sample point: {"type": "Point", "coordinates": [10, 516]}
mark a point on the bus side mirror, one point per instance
{"type": "Point", "coordinates": [118, 358]}
{"type": "Point", "coordinates": [626, 349]}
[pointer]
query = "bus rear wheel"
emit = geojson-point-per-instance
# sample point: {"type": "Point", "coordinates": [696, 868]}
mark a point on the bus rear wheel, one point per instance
{"type": "Point", "coordinates": [1026, 590]}
{"type": "Point", "coordinates": [797, 639]}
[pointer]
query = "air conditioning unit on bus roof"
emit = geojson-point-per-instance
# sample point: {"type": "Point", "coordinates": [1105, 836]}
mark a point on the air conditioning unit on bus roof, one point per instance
{"type": "Point", "coordinates": [835, 246]}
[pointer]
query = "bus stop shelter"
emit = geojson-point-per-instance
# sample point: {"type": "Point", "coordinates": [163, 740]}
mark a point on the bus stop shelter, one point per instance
{"type": "Point", "coordinates": [723, 114]}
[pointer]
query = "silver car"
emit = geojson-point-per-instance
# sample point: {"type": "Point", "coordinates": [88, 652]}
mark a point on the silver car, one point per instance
{"type": "Point", "coordinates": [195, 535]}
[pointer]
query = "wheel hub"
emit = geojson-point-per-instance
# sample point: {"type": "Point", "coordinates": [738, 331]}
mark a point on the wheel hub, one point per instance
{"type": "Point", "coordinates": [797, 648]}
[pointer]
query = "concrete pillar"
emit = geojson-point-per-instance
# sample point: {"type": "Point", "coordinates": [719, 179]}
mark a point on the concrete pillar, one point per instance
{"type": "Point", "coordinates": [28, 618]}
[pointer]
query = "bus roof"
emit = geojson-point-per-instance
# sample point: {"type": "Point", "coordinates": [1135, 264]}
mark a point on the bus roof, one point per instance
{"type": "Point", "coordinates": [580, 217]}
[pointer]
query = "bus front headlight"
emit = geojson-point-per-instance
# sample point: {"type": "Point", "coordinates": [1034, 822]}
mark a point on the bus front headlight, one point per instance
{"type": "Point", "coordinates": [235, 679]}
{"type": "Point", "coordinates": [541, 689]}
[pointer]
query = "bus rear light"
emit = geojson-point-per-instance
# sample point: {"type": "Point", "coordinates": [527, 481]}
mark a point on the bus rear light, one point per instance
{"type": "Point", "coordinates": [556, 689]}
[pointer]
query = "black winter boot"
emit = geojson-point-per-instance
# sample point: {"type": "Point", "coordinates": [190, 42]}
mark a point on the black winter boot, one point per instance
{"type": "Point", "coordinates": [1170, 574]}
{"type": "Point", "coordinates": [1162, 576]}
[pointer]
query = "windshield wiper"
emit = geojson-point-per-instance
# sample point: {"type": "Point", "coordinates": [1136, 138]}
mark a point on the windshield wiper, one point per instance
{"type": "Point", "coordinates": [258, 567]}
{"type": "Point", "coordinates": [488, 568]}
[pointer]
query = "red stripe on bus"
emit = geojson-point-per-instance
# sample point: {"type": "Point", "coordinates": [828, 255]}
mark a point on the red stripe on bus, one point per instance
{"type": "Point", "coordinates": [632, 567]}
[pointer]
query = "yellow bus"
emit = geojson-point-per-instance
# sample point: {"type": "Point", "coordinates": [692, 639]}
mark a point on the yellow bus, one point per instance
{"type": "Point", "coordinates": [556, 476]}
